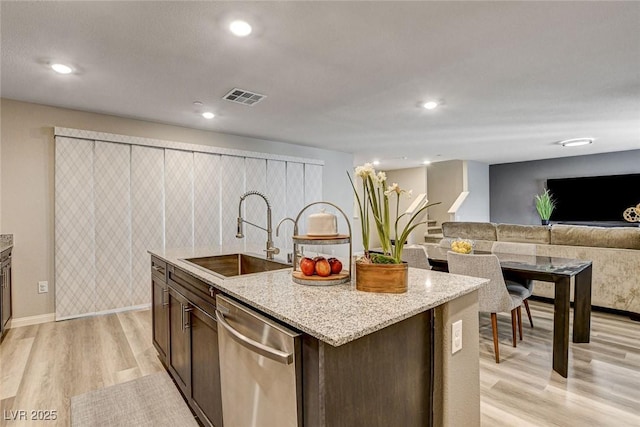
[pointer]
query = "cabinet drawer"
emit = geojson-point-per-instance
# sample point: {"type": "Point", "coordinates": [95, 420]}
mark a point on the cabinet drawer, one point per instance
{"type": "Point", "coordinates": [159, 269]}
{"type": "Point", "coordinates": [196, 288]}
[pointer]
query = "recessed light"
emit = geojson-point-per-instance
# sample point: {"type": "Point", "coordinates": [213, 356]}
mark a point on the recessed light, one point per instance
{"type": "Point", "coordinates": [198, 103]}
{"type": "Point", "coordinates": [240, 28]}
{"type": "Point", "coordinates": [62, 69]}
{"type": "Point", "coordinates": [376, 162]}
{"type": "Point", "coordinates": [426, 162]}
{"type": "Point", "coordinates": [430, 105]}
{"type": "Point", "coordinates": [575, 142]}
{"type": "Point", "coordinates": [208, 115]}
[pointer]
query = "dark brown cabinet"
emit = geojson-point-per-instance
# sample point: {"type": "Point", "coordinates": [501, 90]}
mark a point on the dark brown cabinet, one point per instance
{"type": "Point", "coordinates": [5, 291]}
{"type": "Point", "coordinates": [185, 334]}
{"type": "Point", "coordinates": [180, 340]}
{"type": "Point", "coordinates": [160, 308]}
{"type": "Point", "coordinates": [205, 368]}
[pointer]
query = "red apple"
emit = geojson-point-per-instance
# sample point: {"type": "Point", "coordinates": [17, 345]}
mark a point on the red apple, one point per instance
{"type": "Point", "coordinates": [307, 266]}
{"type": "Point", "coordinates": [336, 265]}
{"type": "Point", "coordinates": [323, 269]}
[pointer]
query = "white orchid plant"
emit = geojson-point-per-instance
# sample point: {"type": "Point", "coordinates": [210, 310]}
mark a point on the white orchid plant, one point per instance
{"type": "Point", "coordinates": [375, 202]}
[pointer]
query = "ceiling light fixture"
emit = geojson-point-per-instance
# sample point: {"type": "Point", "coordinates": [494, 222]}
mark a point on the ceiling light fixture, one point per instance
{"type": "Point", "coordinates": [426, 162]}
{"type": "Point", "coordinates": [240, 28]}
{"type": "Point", "coordinates": [576, 142]}
{"type": "Point", "coordinates": [430, 105]}
{"type": "Point", "coordinates": [198, 103]}
{"type": "Point", "coordinates": [376, 162]}
{"type": "Point", "coordinates": [208, 115]}
{"type": "Point", "coordinates": [62, 69]}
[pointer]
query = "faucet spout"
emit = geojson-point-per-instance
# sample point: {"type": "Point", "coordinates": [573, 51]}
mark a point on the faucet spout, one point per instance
{"type": "Point", "coordinates": [281, 222]}
{"type": "Point", "coordinates": [270, 250]}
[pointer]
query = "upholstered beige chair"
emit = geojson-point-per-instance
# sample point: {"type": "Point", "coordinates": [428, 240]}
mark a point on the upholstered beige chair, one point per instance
{"type": "Point", "coordinates": [493, 297]}
{"type": "Point", "coordinates": [445, 243]}
{"type": "Point", "coordinates": [416, 256]}
{"type": "Point", "coordinates": [521, 287]}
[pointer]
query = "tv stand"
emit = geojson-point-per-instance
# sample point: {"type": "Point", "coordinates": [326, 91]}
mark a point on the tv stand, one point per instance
{"type": "Point", "coordinates": [600, 223]}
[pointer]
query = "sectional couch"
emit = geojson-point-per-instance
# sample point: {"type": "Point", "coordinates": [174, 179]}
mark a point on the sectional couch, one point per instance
{"type": "Point", "coordinates": [615, 253]}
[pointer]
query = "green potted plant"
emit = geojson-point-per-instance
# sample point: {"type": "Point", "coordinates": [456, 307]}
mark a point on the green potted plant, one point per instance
{"type": "Point", "coordinates": [382, 272]}
{"type": "Point", "coordinates": [545, 205]}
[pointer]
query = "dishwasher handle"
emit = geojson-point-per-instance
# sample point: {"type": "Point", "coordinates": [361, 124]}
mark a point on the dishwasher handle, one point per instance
{"type": "Point", "coordinates": [255, 346]}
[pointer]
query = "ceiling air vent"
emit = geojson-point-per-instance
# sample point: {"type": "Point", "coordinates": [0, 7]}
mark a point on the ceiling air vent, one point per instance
{"type": "Point", "coordinates": [242, 96]}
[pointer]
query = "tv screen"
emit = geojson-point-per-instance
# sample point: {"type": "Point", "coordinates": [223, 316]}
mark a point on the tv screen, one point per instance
{"type": "Point", "coordinates": [594, 198]}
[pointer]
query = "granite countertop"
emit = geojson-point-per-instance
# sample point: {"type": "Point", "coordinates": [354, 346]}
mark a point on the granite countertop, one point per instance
{"type": "Point", "coordinates": [6, 242]}
{"type": "Point", "coordinates": [333, 314]}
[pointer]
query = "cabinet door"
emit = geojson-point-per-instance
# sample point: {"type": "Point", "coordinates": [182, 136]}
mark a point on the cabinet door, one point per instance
{"type": "Point", "coordinates": [179, 339]}
{"type": "Point", "coordinates": [1, 300]}
{"type": "Point", "coordinates": [205, 368]}
{"type": "Point", "coordinates": [6, 294]}
{"type": "Point", "coordinates": [160, 317]}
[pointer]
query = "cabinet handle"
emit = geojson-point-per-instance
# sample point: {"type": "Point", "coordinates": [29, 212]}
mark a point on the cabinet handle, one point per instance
{"type": "Point", "coordinates": [165, 301]}
{"type": "Point", "coordinates": [187, 317]}
{"type": "Point", "coordinates": [158, 269]}
{"type": "Point", "coordinates": [211, 291]}
{"type": "Point", "coordinates": [255, 346]}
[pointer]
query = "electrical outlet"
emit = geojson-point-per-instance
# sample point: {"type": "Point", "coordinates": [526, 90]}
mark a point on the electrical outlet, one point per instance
{"type": "Point", "coordinates": [43, 287]}
{"type": "Point", "coordinates": [456, 334]}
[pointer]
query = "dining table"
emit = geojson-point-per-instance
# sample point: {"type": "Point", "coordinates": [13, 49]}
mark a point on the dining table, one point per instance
{"type": "Point", "coordinates": [559, 271]}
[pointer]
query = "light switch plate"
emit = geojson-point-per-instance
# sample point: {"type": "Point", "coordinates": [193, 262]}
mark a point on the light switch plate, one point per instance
{"type": "Point", "coordinates": [43, 287]}
{"type": "Point", "coordinates": [456, 336]}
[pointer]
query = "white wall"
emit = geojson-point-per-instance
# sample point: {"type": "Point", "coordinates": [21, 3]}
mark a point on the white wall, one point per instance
{"type": "Point", "coordinates": [408, 179]}
{"type": "Point", "coordinates": [445, 183]}
{"type": "Point", "coordinates": [476, 206]}
{"type": "Point", "coordinates": [27, 192]}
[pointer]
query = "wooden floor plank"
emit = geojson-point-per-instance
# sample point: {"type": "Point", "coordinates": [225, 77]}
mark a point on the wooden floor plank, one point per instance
{"type": "Point", "coordinates": [63, 359]}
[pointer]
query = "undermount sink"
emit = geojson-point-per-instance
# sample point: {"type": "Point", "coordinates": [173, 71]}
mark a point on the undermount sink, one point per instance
{"type": "Point", "coordinates": [236, 264]}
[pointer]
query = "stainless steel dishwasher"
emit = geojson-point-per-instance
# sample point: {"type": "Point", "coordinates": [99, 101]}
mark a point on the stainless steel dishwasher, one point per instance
{"type": "Point", "coordinates": [260, 368]}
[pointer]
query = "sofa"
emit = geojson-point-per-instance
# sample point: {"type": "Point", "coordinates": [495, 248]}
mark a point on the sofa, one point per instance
{"type": "Point", "coordinates": [615, 253]}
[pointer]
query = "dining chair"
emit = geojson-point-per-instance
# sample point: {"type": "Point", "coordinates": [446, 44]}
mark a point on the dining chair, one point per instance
{"type": "Point", "coordinates": [445, 242]}
{"type": "Point", "coordinates": [493, 297]}
{"type": "Point", "coordinates": [416, 256]}
{"type": "Point", "coordinates": [521, 287]}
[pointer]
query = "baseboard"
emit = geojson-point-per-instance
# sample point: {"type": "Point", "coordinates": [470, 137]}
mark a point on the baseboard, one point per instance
{"type": "Point", "coordinates": [32, 320]}
{"type": "Point", "coordinates": [633, 316]}
{"type": "Point", "coordinates": [112, 311]}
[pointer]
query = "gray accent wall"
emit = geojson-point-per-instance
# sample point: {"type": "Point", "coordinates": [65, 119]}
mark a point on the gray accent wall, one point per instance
{"type": "Point", "coordinates": [514, 185]}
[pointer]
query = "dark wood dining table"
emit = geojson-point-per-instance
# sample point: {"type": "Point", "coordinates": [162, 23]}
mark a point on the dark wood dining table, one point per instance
{"type": "Point", "coordinates": [559, 271]}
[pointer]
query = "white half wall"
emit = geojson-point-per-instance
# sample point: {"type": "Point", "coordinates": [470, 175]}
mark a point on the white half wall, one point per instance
{"type": "Point", "coordinates": [476, 206]}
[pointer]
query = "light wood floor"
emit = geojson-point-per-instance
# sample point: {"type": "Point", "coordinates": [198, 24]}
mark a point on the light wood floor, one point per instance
{"type": "Point", "coordinates": [42, 366]}
{"type": "Point", "coordinates": [603, 384]}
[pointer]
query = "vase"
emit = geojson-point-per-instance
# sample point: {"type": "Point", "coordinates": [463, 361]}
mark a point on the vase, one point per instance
{"type": "Point", "coordinates": [545, 221]}
{"type": "Point", "coordinates": [384, 278]}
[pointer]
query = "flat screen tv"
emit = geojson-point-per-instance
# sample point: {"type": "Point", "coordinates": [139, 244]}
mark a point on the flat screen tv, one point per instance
{"type": "Point", "coordinates": [594, 198]}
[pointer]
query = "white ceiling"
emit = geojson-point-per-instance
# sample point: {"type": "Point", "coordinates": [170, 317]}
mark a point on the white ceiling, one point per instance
{"type": "Point", "coordinates": [514, 76]}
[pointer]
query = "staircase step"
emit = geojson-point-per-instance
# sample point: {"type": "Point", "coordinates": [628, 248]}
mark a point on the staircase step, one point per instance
{"type": "Point", "coordinates": [431, 222]}
{"type": "Point", "coordinates": [433, 238]}
{"type": "Point", "coordinates": [434, 230]}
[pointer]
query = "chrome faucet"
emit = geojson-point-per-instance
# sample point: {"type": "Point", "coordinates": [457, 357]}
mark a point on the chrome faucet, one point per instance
{"type": "Point", "coordinates": [271, 250]}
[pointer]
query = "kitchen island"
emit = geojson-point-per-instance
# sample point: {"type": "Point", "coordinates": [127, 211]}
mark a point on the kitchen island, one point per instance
{"type": "Point", "coordinates": [364, 358]}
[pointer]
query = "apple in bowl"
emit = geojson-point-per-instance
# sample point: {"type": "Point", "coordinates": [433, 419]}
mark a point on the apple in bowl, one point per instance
{"type": "Point", "coordinates": [323, 268]}
{"type": "Point", "coordinates": [336, 265]}
{"type": "Point", "coordinates": [307, 266]}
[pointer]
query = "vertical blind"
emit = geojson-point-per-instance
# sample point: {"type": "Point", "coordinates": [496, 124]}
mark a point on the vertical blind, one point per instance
{"type": "Point", "coordinates": [114, 201]}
